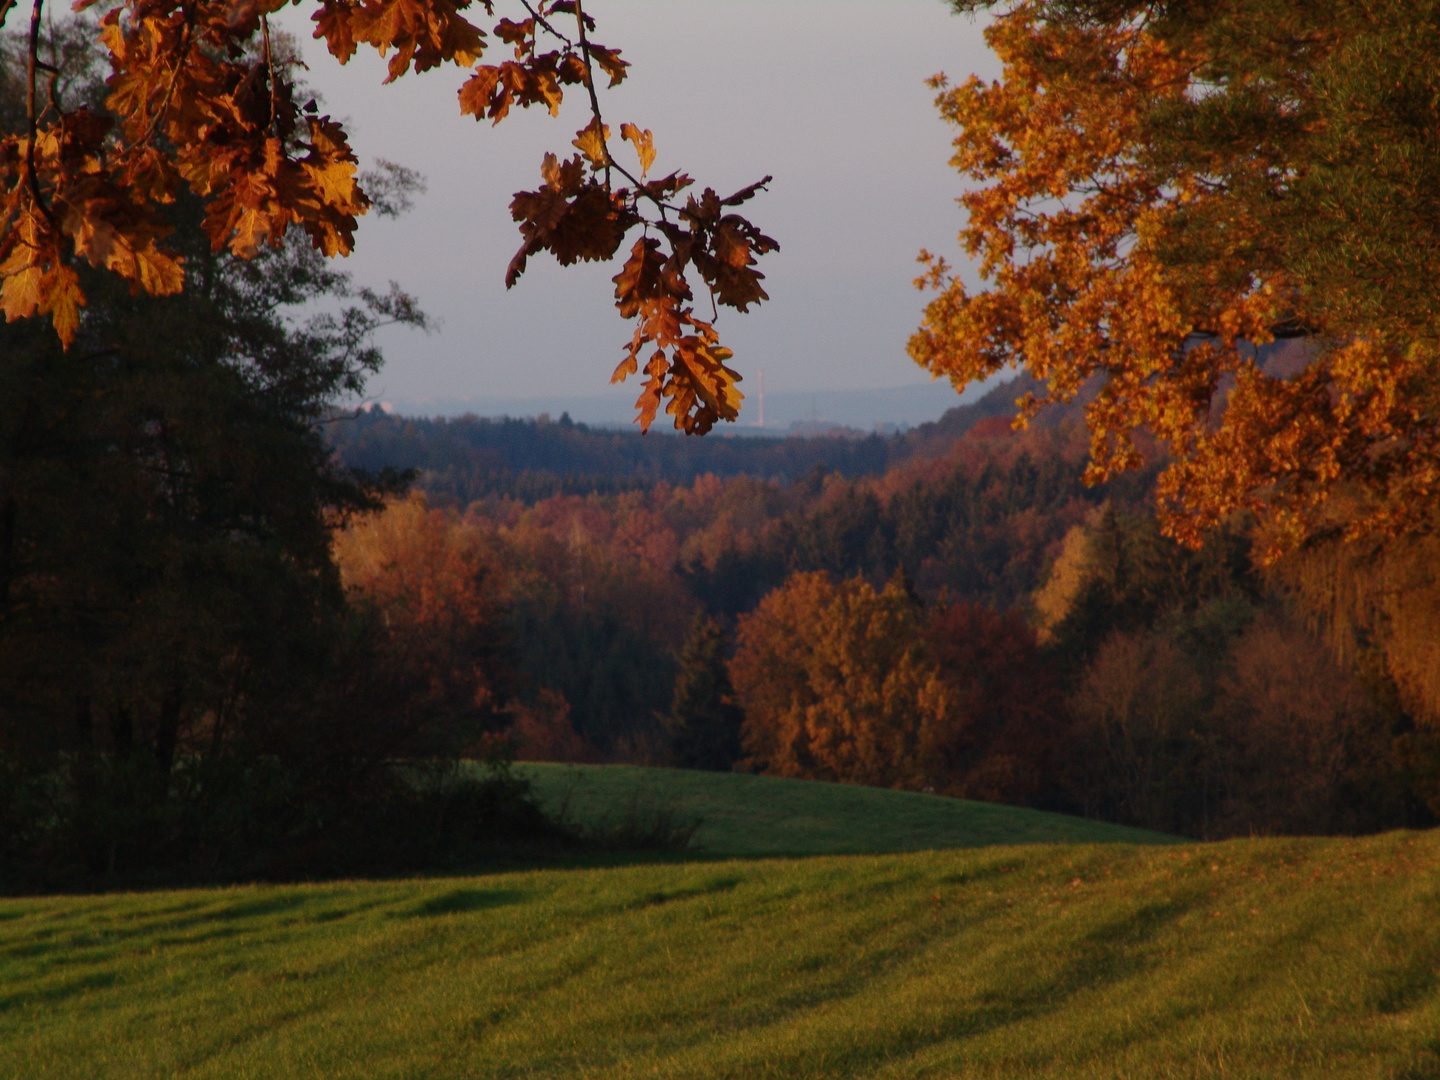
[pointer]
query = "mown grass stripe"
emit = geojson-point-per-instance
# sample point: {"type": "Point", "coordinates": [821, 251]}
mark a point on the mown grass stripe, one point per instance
{"type": "Point", "coordinates": [1250, 958]}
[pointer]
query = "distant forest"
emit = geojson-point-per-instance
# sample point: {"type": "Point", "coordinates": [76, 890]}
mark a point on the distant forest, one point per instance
{"type": "Point", "coordinates": [462, 459]}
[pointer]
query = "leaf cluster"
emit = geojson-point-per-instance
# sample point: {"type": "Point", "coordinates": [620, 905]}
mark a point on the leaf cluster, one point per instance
{"type": "Point", "coordinates": [201, 101]}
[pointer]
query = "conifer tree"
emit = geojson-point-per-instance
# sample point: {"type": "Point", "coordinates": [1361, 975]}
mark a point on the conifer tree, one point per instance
{"type": "Point", "coordinates": [704, 720]}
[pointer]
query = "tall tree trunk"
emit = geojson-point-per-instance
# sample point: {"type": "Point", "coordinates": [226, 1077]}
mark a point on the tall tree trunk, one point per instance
{"type": "Point", "coordinates": [122, 732]}
{"type": "Point", "coordinates": [167, 733]}
{"type": "Point", "coordinates": [9, 511]}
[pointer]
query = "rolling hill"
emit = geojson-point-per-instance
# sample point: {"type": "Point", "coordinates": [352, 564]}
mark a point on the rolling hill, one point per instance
{"type": "Point", "coordinates": [743, 815]}
{"type": "Point", "coordinates": [1253, 958]}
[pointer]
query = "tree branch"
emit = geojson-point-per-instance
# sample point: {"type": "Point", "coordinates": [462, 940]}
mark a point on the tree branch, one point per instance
{"type": "Point", "coordinates": [595, 98]}
{"type": "Point", "coordinates": [32, 120]}
{"type": "Point", "coordinates": [540, 20]}
{"type": "Point", "coordinates": [269, 65]}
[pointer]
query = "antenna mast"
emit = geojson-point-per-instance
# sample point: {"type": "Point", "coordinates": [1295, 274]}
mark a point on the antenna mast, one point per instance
{"type": "Point", "coordinates": [762, 399]}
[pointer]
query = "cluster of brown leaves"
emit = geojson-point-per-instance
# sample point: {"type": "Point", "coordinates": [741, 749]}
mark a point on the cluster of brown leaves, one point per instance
{"type": "Point", "coordinates": [581, 214]}
{"type": "Point", "coordinates": [197, 101]}
{"type": "Point", "coordinates": [195, 105]}
{"type": "Point", "coordinates": [652, 288]}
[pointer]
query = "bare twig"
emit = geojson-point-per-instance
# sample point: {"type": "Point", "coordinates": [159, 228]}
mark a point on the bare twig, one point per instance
{"type": "Point", "coordinates": [269, 65]}
{"type": "Point", "coordinates": [595, 98]}
{"type": "Point", "coordinates": [32, 120]}
{"type": "Point", "coordinates": [541, 21]}
{"type": "Point", "coordinates": [54, 86]}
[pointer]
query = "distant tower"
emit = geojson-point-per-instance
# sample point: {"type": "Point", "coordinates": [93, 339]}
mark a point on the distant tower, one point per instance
{"type": "Point", "coordinates": [762, 399]}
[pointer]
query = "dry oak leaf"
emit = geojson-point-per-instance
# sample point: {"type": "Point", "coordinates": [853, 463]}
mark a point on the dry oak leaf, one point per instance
{"type": "Point", "coordinates": [644, 145]}
{"type": "Point", "coordinates": [429, 32]}
{"type": "Point", "coordinates": [590, 141]}
{"type": "Point", "coordinates": [572, 217]}
{"type": "Point", "coordinates": [609, 60]}
{"type": "Point", "coordinates": [23, 291]}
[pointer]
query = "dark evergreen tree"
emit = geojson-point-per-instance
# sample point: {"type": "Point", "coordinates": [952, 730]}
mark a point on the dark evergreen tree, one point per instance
{"type": "Point", "coordinates": [1139, 578]}
{"type": "Point", "coordinates": [169, 607]}
{"type": "Point", "coordinates": [167, 592]}
{"type": "Point", "coordinates": [704, 719]}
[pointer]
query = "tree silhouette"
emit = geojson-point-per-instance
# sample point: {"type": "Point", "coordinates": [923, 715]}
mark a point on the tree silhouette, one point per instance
{"type": "Point", "coordinates": [705, 720]}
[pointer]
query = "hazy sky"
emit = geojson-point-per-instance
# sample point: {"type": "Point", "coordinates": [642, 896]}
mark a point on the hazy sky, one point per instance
{"type": "Point", "coordinates": [829, 96]}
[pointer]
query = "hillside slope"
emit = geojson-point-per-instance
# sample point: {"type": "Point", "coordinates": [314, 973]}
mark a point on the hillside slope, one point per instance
{"type": "Point", "coordinates": [1257, 958]}
{"type": "Point", "coordinates": [764, 815]}
{"type": "Point", "coordinates": [469, 457]}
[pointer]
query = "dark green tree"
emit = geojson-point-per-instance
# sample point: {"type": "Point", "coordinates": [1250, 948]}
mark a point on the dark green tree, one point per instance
{"type": "Point", "coordinates": [166, 506]}
{"type": "Point", "coordinates": [168, 600]}
{"type": "Point", "coordinates": [704, 719]}
{"type": "Point", "coordinates": [1134, 577]}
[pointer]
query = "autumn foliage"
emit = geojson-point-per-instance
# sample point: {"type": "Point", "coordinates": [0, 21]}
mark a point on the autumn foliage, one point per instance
{"type": "Point", "coordinates": [433, 600]}
{"type": "Point", "coordinates": [833, 679]}
{"type": "Point", "coordinates": [1005, 724]}
{"type": "Point", "coordinates": [1159, 191]}
{"type": "Point", "coordinates": [1174, 688]}
{"type": "Point", "coordinates": [843, 682]}
{"type": "Point", "coordinates": [201, 102]}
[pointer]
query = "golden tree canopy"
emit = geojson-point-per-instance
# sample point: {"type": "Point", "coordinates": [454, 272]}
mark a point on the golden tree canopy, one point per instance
{"type": "Point", "coordinates": [1159, 188]}
{"type": "Point", "coordinates": [835, 682]}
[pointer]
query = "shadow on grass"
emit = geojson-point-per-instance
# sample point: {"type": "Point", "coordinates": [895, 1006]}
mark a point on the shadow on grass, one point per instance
{"type": "Point", "coordinates": [460, 900]}
{"type": "Point", "coordinates": [637, 826]}
{"type": "Point", "coordinates": [608, 854]}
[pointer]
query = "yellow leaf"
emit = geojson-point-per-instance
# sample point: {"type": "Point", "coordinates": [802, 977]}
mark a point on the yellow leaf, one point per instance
{"type": "Point", "coordinates": [249, 229]}
{"type": "Point", "coordinates": [22, 294]}
{"type": "Point", "coordinates": [159, 274]}
{"type": "Point", "coordinates": [548, 88]}
{"type": "Point", "coordinates": [62, 303]}
{"type": "Point", "coordinates": [590, 141]}
{"type": "Point", "coordinates": [609, 60]}
{"type": "Point", "coordinates": [644, 145]}
{"type": "Point", "coordinates": [335, 181]}
{"type": "Point", "coordinates": [477, 91]}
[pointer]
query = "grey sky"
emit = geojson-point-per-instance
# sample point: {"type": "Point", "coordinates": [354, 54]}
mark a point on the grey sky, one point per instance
{"type": "Point", "coordinates": [826, 95]}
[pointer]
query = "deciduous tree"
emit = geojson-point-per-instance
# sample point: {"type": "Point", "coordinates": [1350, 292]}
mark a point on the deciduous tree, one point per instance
{"type": "Point", "coordinates": [998, 738]}
{"type": "Point", "coordinates": [1161, 189]}
{"type": "Point", "coordinates": [437, 603]}
{"type": "Point", "coordinates": [835, 682]}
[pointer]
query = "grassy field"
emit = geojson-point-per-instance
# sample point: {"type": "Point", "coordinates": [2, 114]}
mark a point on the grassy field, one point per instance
{"type": "Point", "coordinates": [1259, 958]}
{"type": "Point", "coordinates": [763, 815]}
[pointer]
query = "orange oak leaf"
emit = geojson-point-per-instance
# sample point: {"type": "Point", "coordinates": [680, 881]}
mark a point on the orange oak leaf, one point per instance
{"type": "Point", "coordinates": [590, 141]}
{"type": "Point", "coordinates": [610, 62]}
{"type": "Point", "coordinates": [644, 145]}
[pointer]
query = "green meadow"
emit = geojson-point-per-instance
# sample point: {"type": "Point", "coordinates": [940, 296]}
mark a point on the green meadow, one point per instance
{"type": "Point", "coordinates": [1255, 958]}
{"type": "Point", "coordinates": [747, 815]}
